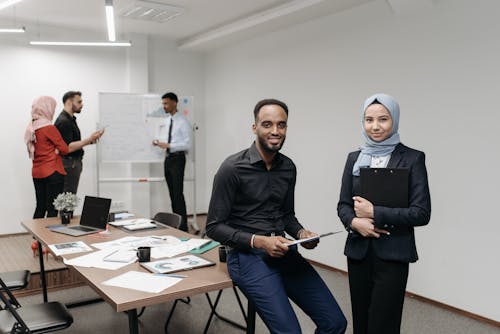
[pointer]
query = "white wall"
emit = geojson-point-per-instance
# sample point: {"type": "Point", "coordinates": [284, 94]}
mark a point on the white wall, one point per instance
{"type": "Point", "coordinates": [441, 64]}
{"type": "Point", "coordinates": [28, 72]}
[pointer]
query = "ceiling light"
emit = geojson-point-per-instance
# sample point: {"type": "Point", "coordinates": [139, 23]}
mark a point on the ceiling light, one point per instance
{"type": "Point", "coordinates": [150, 11]}
{"type": "Point", "coordinates": [110, 20]}
{"type": "Point", "coordinates": [13, 30]}
{"type": "Point", "coordinates": [80, 43]}
{"type": "Point", "coordinates": [7, 3]}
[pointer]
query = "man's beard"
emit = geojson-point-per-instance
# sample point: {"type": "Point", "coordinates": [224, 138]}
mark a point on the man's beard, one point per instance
{"type": "Point", "coordinates": [270, 149]}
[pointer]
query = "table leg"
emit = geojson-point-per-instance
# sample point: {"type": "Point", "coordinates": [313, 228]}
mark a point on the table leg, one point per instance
{"type": "Point", "coordinates": [133, 325]}
{"type": "Point", "coordinates": [42, 272]}
{"type": "Point", "coordinates": [250, 318]}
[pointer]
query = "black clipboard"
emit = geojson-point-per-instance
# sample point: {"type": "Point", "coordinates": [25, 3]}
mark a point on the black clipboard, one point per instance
{"type": "Point", "coordinates": [385, 186]}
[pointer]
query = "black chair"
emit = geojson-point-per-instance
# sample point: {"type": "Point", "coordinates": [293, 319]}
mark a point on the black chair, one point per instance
{"type": "Point", "coordinates": [171, 219]}
{"type": "Point", "coordinates": [39, 318]}
{"type": "Point", "coordinates": [16, 280]}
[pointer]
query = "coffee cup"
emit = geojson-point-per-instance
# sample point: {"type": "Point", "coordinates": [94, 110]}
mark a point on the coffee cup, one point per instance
{"type": "Point", "coordinates": [144, 254]}
{"type": "Point", "coordinates": [222, 254]}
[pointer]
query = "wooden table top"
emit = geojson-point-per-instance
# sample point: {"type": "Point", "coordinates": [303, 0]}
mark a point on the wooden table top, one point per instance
{"type": "Point", "coordinates": [198, 281]}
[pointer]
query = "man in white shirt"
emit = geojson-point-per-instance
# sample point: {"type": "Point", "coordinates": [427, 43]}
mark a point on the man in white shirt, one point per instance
{"type": "Point", "coordinates": [176, 141]}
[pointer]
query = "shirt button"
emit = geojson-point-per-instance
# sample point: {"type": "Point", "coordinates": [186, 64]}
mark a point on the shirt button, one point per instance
{"type": "Point", "coordinates": [386, 225]}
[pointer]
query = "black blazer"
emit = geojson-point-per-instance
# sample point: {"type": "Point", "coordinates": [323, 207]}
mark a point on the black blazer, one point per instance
{"type": "Point", "coordinates": [400, 244]}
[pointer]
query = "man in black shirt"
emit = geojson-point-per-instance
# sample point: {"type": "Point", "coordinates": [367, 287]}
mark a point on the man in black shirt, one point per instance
{"type": "Point", "coordinates": [251, 208]}
{"type": "Point", "coordinates": [66, 124]}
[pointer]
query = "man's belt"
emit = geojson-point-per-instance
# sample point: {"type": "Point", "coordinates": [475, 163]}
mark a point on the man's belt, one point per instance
{"type": "Point", "coordinates": [174, 154]}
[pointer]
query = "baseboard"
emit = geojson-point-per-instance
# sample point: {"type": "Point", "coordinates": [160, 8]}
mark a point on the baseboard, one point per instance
{"type": "Point", "coordinates": [422, 299]}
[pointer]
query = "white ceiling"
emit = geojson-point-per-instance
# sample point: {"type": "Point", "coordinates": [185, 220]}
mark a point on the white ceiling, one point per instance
{"type": "Point", "coordinates": [203, 24]}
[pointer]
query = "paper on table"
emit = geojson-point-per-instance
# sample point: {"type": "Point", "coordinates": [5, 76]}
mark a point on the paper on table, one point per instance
{"type": "Point", "coordinates": [69, 248]}
{"type": "Point", "coordinates": [142, 281]}
{"type": "Point", "coordinates": [299, 241]}
{"type": "Point", "coordinates": [182, 247]}
{"type": "Point", "coordinates": [96, 260]}
{"type": "Point", "coordinates": [134, 242]}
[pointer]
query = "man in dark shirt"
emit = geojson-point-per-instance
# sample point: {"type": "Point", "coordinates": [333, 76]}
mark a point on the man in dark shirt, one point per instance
{"type": "Point", "coordinates": [251, 208]}
{"type": "Point", "coordinates": [66, 124]}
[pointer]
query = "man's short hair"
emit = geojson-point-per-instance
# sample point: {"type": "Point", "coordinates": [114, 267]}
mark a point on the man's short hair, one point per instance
{"type": "Point", "coordinates": [71, 94]}
{"type": "Point", "coordinates": [267, 102]}
{"type": "Point", "coordinates": [170, 96]}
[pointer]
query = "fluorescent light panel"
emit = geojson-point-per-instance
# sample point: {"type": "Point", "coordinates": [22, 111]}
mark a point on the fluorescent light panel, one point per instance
{"type": "Point", "coordinates": [110, 20]}
{"type": "Point", "coordinates": [49, 43]}
{"type": "Point", "coordinates": [13, 30]}
{"type": "Point", "coordinates": [7, 3]}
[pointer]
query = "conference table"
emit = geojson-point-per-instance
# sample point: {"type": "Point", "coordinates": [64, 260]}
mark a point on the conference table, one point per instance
{"type": "Point", "coordinates": [198, 281]}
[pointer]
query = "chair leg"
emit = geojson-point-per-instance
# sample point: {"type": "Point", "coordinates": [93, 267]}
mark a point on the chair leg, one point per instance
{"type": "Point", "coordinates": [141, 312]}
{"type": "Point", "coordinates": [214, 312]}
{"type": "Point", "coordinates": [170, 315]}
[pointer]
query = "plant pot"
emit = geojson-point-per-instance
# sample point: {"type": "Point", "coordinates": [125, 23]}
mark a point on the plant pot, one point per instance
{"type": "Point", "coordinates": [65, 217]}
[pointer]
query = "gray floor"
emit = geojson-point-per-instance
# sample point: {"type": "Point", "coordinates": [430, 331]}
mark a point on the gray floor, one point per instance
{"type": "Point", "coordinates": [100, 318]}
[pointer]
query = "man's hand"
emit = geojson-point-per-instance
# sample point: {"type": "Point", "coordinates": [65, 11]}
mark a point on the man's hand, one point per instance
{"type": "Point", "coordinates": [94, 137]}
{"type": "Point", "coordinates": [274, 246]}
{"type": "Point", "coordinates": [366, 228]}
{"type": "Point", "coordinates": [308, 234]}
{"type": "Point", "coordinates": [363, 207]}
{"type": "Point", "coordinates": [161, 144]}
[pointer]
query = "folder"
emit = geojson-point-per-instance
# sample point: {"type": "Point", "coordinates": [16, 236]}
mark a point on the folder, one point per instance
{"type": "Point", "coordinates": [385, 186]}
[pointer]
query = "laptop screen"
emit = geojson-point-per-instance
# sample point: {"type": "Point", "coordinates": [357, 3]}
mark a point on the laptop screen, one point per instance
{"type": "Point", "coordinates": [95, 212]}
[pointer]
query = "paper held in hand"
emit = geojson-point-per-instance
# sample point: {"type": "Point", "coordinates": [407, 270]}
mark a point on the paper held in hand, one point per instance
{"type": "Point", "coordinates": [299, 241]}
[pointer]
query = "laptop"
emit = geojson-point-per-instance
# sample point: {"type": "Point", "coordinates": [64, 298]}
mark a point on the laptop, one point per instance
{"type": "Point", "coordinates": [93, 219]}
{"type": "Point", "coordinates": [385, 186]}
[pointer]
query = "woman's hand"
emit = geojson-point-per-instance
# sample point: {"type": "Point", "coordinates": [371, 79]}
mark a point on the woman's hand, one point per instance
{"type": "Point", "coordinates": [366, 228]}
{"type": "Point", "coordinates": [363, 207]}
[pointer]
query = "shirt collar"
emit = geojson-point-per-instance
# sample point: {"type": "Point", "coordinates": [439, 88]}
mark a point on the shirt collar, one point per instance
{"type": "Point", "coordinates": [255, 155]}
{"type": "Point", "coordinates": [68, 115]}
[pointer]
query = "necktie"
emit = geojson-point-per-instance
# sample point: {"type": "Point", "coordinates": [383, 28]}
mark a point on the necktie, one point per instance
{"type": "Point", "coordinates": [170, 133]}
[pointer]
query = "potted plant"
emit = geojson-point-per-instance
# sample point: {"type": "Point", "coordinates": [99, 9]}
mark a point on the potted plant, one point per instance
{"type": "Point", "coordinates": [66, 203]}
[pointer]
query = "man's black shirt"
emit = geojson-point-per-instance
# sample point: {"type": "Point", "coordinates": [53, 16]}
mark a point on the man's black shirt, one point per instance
{"type": "Point", "coordinates": [66, 124]}
{"type": "Point", "coordinates": [249, 199]}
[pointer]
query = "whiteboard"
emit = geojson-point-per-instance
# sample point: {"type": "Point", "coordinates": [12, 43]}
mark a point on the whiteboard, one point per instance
{"type": "Point", "coordinates": [132, 122]}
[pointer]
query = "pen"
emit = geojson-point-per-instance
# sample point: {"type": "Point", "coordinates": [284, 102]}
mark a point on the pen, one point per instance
{"type": "Point", "coordinates": [172, 275]}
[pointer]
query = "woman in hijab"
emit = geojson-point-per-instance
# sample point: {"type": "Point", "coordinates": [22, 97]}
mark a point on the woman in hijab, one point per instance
{"type": "Point", "coordinates": [381, 241]}
{"type": "Point", "coordinates": [45, 146]}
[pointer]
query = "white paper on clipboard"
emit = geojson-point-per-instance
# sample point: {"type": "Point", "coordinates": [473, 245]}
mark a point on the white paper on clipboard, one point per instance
{"type": "Point", "coordinates": [299, 241]}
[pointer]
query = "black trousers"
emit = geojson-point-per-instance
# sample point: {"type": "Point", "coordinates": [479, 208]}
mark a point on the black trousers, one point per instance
{"type": "Point", "coordinates": [174, 175]}
{"type": "Point", "coordinates": [46, 190]}
{"type": "Point", "coordinates": [73, 168]}
{"type": "Point", "coordinates": [377, 294]}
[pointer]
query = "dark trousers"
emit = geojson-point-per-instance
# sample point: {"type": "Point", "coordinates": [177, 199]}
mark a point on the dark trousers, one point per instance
{"type": "Point", "coordinates": [269, 282]}
{"type": "Point", "coordinates": [46, 190]}
{"type": "Point", "coordinates": [377, 294]}
{"type": "Point", "coordinates": [174, 175]}
{"type": "Point", "coordinates": [73, 168]}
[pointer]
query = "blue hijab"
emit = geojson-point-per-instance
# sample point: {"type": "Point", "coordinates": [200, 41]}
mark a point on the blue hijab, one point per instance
{"type": "Point", "coordinates": [377, 149]}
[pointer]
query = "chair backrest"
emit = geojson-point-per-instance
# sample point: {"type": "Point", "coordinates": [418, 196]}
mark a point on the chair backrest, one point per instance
{"type": "Point", "coordinates": [171, 219]}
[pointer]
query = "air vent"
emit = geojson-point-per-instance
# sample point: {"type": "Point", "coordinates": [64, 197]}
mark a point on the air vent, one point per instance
{"type": "Point", "coordinates": [150, 11]}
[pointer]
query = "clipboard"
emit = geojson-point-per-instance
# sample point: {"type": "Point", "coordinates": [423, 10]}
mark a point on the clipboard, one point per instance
{"type": "Point", "coordinates": [185, 262]}
{"type": "Point", "coordinates": [385, 186]}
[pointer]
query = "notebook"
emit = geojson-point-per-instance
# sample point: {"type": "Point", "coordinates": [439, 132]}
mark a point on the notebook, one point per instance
{"type": "Point", "coordinates": [385, 186]}
{"type": "Point", "coordinates": [94, 218]}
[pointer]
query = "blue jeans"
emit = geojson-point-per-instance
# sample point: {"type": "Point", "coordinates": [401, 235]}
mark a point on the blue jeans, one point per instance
{"type": "Point", "coordinates": [269, 282]}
